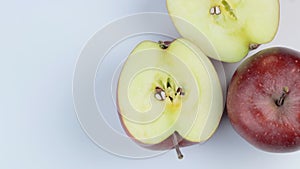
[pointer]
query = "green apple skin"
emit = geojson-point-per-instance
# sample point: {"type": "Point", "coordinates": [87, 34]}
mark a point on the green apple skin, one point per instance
{"type": "Point", "coordinates": [197, 121]}
{"type": "Point", "coordinates": [226, 30]}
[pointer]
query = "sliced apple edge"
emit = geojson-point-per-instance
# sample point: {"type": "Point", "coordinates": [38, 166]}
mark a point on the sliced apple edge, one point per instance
{"type": "Point", "coordinates": [226, 30]}
{"type": "Point", "coordinates": [194, 114]}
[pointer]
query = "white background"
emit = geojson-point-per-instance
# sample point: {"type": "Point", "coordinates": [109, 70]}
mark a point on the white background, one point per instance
{"type": "Point", "coordinates": [39, 44]}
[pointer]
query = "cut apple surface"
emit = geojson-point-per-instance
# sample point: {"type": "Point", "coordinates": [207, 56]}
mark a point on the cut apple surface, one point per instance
{"type": "Point", "coordinates": [169, 91]}
{"type": "Point", "coordinates": [226, 29]}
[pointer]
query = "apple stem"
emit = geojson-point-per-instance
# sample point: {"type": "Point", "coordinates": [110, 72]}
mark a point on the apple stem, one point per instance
{"type": "Point", "coordinates": [253, 46]}
{"type": "Point", "coordinates": [175, 142]}
{"type": "Point", "coordinates": [164, 44]}
{"type": "Point", "coordinates": [280, 101]}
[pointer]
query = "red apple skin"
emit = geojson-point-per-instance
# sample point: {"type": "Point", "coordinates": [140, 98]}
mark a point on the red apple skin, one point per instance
{"type": "Point", "coordinates": [255, 86]}
{"type": "Point", "coordinates": [166, 144]}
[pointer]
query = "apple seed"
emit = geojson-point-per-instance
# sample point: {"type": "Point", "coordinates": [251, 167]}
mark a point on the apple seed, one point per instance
{"type": "Point", "coordinates": [160, 94]}
{"type": "Point", "coordinates": [215, 10]}
{"type": "Point", "coordinates": [179, 91]}
{"type": "Point", "coordinates": [168, 83]}
{"type": "Point", "coordinates": [168, 90]}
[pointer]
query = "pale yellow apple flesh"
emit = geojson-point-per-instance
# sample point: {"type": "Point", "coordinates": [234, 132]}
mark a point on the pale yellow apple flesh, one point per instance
{"type": "Point", "coordinates": [167, 91]}
{"type": "Point", "coordinates": [226, 29]}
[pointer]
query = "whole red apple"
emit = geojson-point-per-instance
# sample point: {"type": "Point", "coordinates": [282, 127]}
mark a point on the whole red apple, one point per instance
{"type": "Point", "coordinates": [263, 101]}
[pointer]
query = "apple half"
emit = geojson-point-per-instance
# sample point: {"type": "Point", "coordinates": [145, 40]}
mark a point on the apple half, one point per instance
{"type": "Point", "coordinates": [169, 95]}
{"type": "Point", "coordinates": [226, 29]}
